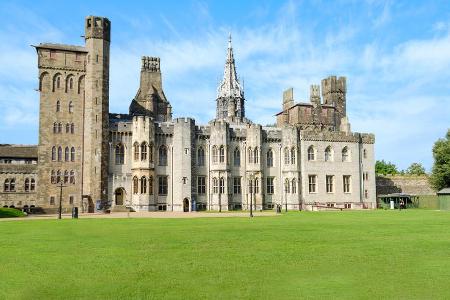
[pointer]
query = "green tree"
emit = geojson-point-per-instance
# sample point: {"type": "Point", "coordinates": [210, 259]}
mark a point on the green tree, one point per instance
{"type": "Point", "coordinates": [382, 167]}
{"type": "Point", "coordinates": [415, 169]}
{"type": "Point", "coordinates": [440, 174]}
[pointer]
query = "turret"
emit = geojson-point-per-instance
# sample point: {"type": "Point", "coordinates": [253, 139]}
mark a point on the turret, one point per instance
{"type": "Point", "coordinates": [334, 93]}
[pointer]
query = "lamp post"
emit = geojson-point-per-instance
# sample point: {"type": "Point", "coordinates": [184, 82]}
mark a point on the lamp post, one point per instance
{"type": "Point", "coordinates": [252, 176]}
{"type": "Point", "coordinates": [61, 186]}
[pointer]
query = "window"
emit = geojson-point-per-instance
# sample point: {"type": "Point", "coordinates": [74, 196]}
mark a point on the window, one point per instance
{"type": "Point", "coordinates": [330, 204]}
{"type": "Point", "coordinates": [287, 189]}
{"type": "Point", "coordinates": [347, 205]}
{"type": "Point", "coordinates": [256, 186]}
{"type": "Point", "coordinates": [250, 155]}
{"type": "Point", "coordinates": [200, 156]}
{"type": "Point", "coordinates": [32, 185]}
{"type": "Point", "coordinates": [59, 127]}
{"type": "Point", "coordinates": [150, 153]}
{"type": "Point", "coordinates": [366, 194]}
{"type": "Point", "coordinates": [163, 156]}
{"type": "Point", "coordinates": [71, 83]}
{"type": "Point", "coordinates": [215, 186]}
{"type": "Point", "coordinates": [66, 176]}
{"type": "Point", "coordinates": [293, 155]}
{"type": "Point", "coordinates": [294, 186]}
{"type": "Point", "coordinates": [364, 153]}
{"type": "Point", "coordinates": [58, 106]}
{"type": "Point", "coordinates": [120, 154]}
{"type": "Point", "coordinates": [71, 200]}
{"type": "Point", "coordinates": [237, 157]}
{"type": "Point", "coordinates": [366, 176]}
{"type": "Point", "coordinates": [330, 183]}
{"type": "Point", "coordinates": [311, 154]}
{"type": "Point", "coordinates": [269, 185]}
{"type": "Point", "coordinates": [70, 107]}
{"type": "Point", "coordinates": [345, 154]}
{"type": "Point", "coordinates": [236, 185]}
{"type": "Point", "coordinates": [346, 181]}
{"type": "Point", "coordinates": [215, 155]}
{"type": "Point", "coordinates": [12, 185]}
{"type": "Point", "coordinates": [150, 185]}
{"type": "Point", "coordinates": [53, 153]}
{"type": "Point", "coordinates": [67, 128]}
{"type": "Point", "coordinates": [328, 154]}
{"type": "Point", "coordinates": [6, 185]}
{"type": "Point", "coordinates": [72, 128]}
{"type": "Point", "coordinates": [256, 155]}
{"type": "Point", "coordinates": [312, 179]}
{"type": "Point", "coordinates": [222, 154]}
{"type": "Point", "coordinates": [66, 154]}
{"type": "Point", "coordinates": [201, 184]}
{"type": "Point", "coordinates": [269, 159]}
{"type": "Point", "coordinates": [222, 185]}
{"type": "Point", "coordinates": [250, 186]}
{"type": "Point", "coordinates": [52, 200]}
{"type": "Point", "coordinates": [72, 154]}
{"type": "Point", "coordinates": [144, 151]}
{"type": "Point", "coordinates": [59, 153]}
{"type": "Point", "coordinates": [286, 156]}
{"type": "Point", "coordinates": [143, 185]}
{"type": "Point", "coordinates": [135, 185]}
{"type": "Point", "coordinates": [72, 177]}
{"type": "Point", "coordinates": [53, 177]}
{"type": "Point", "coordinates": [58, 176]}
{"type": "Point", "coordinates": [27, 185]}
{"type": "Point", "coordinates": [162, 185]}
{"type": "Point", "coordinates": [55, 127]}
{"type": "Point", "coordinates": [136, 151]}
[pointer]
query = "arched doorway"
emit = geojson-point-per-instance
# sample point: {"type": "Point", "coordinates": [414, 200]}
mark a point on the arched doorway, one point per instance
{"type": "Point", "coordinates": [119, 196]}
{"type": "Point", "coordinates": [186, 205]}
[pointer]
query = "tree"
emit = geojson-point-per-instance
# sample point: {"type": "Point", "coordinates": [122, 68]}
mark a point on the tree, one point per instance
{"type": "Point", "coordinates": [382, 167]}
{"type": "Point", "coordinates": [415, 169]}
{"type": "Point", "coordinates": [440, 174]}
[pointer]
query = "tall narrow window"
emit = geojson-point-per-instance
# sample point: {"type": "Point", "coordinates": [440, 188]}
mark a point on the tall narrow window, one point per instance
{"type": "Point", "coordinates": [58, 176]}
{"type": "Point", "coordinates": [328, 154]}
{"type": "Point", "coordinates": [162, 185]}
{"type": "Point", "coordinates": [53, 177]}
{"type": "Point", "coordinates": [120, 154]}
{"type": "Point", "coordinates": [135, 185]}
{"type": "Point", "coordinates": [71, 83]}
{"type": "Point", "coordinates": [287, 159]}
{"type": "Point", "coordinates": [150, 152]}
{"type": "Point", "coordinates": [27, 184]}
{"type": "Point", "coordinates": [330, 183]}
{"type": "Point", "coordinates": [163, 156]}
{"type": "Point", "coordinates": [215, 186]}
{"type": "Point", "coordinates": [32, 185]}
{"type": "Point", "coordinates": [312, 180]}
{"type": "Point", "coordinates": [66, 176]}
{"type": "Point", "coordinates": [287, 189]}
{"type": "Point", "coordinates": [237, 157]}
{"type": "Point", "coordinates": [58, 106]}
{"type": "Point", "coordinates": [70, 107]}
{"type": "Point", "coordinates": [364, 153]}
{"type": "Point", "coordinates": [143, 185]}
{"type": "Point", "coordinates": [269, 158]}
{"type": "Point", "coordinates": [293, 155]}
{"type": "Point", "coordinates": [136, 151]}
{"type": "Point", "coordinates": [59, 153]}
{"type": "Point", "coordinates": [237, 185]}
{"type": "Point", "coordinates": [66, 154]}
{"type": "Point", "coordinates": [256, 186]}
{"type": "Point", "coordinates": [347, 183]}
{"type": "Point", "coordinates": [72, 177]}
{"type": "Point", "coordinates": [222, 154]}
{"type": "Point", "coordinates": [201, 185]}
{"type": "Point", "coordinates": [294, 186]}
{"type": "Point", "coordinates": [53, 153]}
{"type": "Point", "coordinates": [55, 127]}
{"type": "Point", "coordinates": [72, 154]}
{"type": "Point", "coordinates": [67, 128]}
{"type": "Point", "coordinates": [144, 151]}
{"type": "Point", "coordinates": [311, 153]}
{"type": "Point", "coordinates": [345, 155]}
{"type": "Point", "coordinates": [222, 185]}
{"type": "Point", "coordinates": [270, 185]}
{"type": "Point", "coordinates": [250, 155]}
{"type": "Point", "coordinates": [215, 154]}
{"type": "Point", "coordinates": [150, 185]}
{"type": "Point", "coordinates": [6, 185]}
{"type": "Point", "coordinates": [200, 156]}
{"type": "Point", "coordinates": [12, 185]}
{"type": "Point", "coordinates": [59, 127]}
{"type": "Point", "coordinates": [256, 155]}
{"type": "Point", "coordinates": [72, 128]}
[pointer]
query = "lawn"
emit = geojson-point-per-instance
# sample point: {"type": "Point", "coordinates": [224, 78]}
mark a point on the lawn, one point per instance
{"type": "Point", "coordinates": [369, 254]}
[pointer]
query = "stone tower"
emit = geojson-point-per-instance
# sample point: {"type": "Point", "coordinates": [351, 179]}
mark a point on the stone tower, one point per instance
{"type": "Point", "coordinates": [334, 93]}
{"type": "Point", "coordinates": [96, 114]}
{"type": "Point", "coordinates": [230, 94]}
{"type": "Point", "coordinates": [150, 99]}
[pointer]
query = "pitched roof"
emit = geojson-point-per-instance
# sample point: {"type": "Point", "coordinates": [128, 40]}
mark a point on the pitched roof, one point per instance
{"type": "Point", "coordinates": [444, 191]}
{"type": "Point", "coordinates": [18, 151]}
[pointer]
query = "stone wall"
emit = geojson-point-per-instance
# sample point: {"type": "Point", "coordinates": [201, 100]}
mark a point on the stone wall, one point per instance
{"type": "Point", "coordinates": [409, 184]}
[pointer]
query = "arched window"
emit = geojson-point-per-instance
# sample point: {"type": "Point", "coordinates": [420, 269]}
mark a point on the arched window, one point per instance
{"type": "Point", "coordinates": [59, 127]}
{"type": "Point", "coordinates": [72, 154]}
{"type": "Point", "coordinates": [222, 154]}
{"type": "Point", "coordinates": [269, 158]}
{"type": "Point", "coordinates": [215, 155]}
{"type": "Point", "coordinates": [53, 177]}
{"type": "Point", "coordinates": [143, 185]}
{"type": "Point", "coordinates": [70, 107]}
{"type": "Point", "coordinates": [345, 154]}
{"type": "Point", "coordinates": [293, 155]}
{"type": "Point", "coordinates": [200, 156]}
{"type": "Point", "coordinates": [328, 154]}
{"type": "Point", "coordinates": [12, 185]}
{"type": "Point", "coordinates": [59, 153]}
{"type": "Point", "coordinates": [135, 185]}
{"type": "Point", "coordinates": [58, 176]}
{"type": "Point", "coordinates": [55, 127]}
{"type": "Point", "coordinates": [286, 186]}
{"type": "Point", "coordinates": [294, 186]}
{"type": "Point", "coordinates": [67, 128]}
{"type": "Point", "coordinates": [53, 153]}
{"type": "Point", "coordinates": [72, 128]}
{"type": "Point", "coordinates": [250, 155]}
{"type": "Point", "coordinates": [222, 185]}
{"type": "Point", "coordinates": [311, 153]}
{"type": "Point", "coordinates": [150, 185]}
{"type": "Point", "coordinates": [72, 177]}
{"type": "Point", "coordinates": [69, 83]}
{"type": "Point", "coordinates": [256, 155]}
{"type": "Point", "coordinates": [136, 151]}
{"type": "Point", "coordinates": [66, 154]}
{"type": "Point", "coordinates": [163, 156]}
{"type": "Point", "coordinates": [56, 82]}
{"type": "Point", "coordinates": [150, 152]}
{"type": "Point", "coordinates": [81, 84]}
{"type": "Point", "coordinates": [58, 106]}
{"type": "Point", "coordinates": [256, 186]}
{"type": "Point", "coordinates": [32, 185]}
{"type": "Point", "coordinates": [66, 176]}
{"type": "Point", "coordinates": [144, 151]}
{"type": "Point", "coordinates": [286, 156]}
{"type": "Point", "coordinates": [364, 153]}
{"type": "Point", "coordinates": [6, 185]}
{"type": "Point", "coordinates": [120, 154]}
{"type": "Point", "coordinates": [237, 157]}
{"type": "Point", "coordinates": [215, 187]}
{"type": "Point", "coordinates": [44, 82]}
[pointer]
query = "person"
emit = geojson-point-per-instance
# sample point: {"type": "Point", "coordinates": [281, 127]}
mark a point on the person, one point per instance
{"type": "Point", "coordinates": [401, 204]}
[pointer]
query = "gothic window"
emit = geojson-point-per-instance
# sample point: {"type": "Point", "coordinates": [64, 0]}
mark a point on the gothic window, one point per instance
{"type": "Point", "coordinates": [135, 185]}
{"type": "Point", "coordinates": [215, 155]}
{"type": "Point", "coordinates": [311, 153]}
{"type": "Point", "coordinates": [56, 82]}
{"type": "Point", "coordinates": [27, 185]}
{"type": "Point", "coordinates": [143, 185]}
{"type": "Point", "coordinates": [237, 157]}
{"type": "Point", "coordinates": [53, 177]}
{"type": "Point", "coordinates": [136, 151]}
{"type": "Point", "coordinates": [222, 185]}
{"type": "Point", "coordinates": [286, 156]}
{"type": "Point", "coordinates": [215, 188]}
{"type": "Point", "coordinates": [12, 185]}
{"type": "Point", "coordinates": [287, 189]}
{"type": "Point", "coordinates": [70, 107]}
{"type": "Point", "coordinates": [67, 128]}
{"type": "Point", "coordinates": [294, 186]}
{"type": "Point", "coordinates": [293, 155]}
{"type": "Point", "coordinates": [200, 156]}
{"type": "Point", "coordinates": [256, 186]}
{"type": "Point", "coordinates": [222, 154]}
{"type": "Point", "coordinates": [66, 176]}
{"type": "Point", "coordinates": [66, 154]}
{"type": "Point", "coordinates": [163, 156]}
{"type": "Point", "coordinates": [59, 127]}
{"type": "Point", "coordinates": [328, 154]}
{"type": "Point", "coordinates": [250, 155]}
{"type": "Point", "coordinates": [150, 185]}
{"type": "Point", "coordinates": [58, 106]}
{"type": "Point", "coordinates": [53, 153]}
{"type": "Point", "coordinates": [72, 177]}
{"type": "Point", "coordinates": [69, 83]}
{"type": "Point", "coordinates": [72, 128]}
{"type": "Point", "coordinates": [120, 154]}
{"type": "Point", "coordinates": [6, 185]}
{"type": "Point", "coordinates": [345, 154]}
{"type": "Point", "coordinates": [58, 176]}
{"type": "Point", "coordinates": [150, 152]}
{"type": "Point", "coordinates": [72, 154]}
{"type": "Point", "coordinates": [32, 184]}
{"type": "Point", "coordinates": [144, 151]}
{"type": "Point", "coordinates": [59, 153]}
{"type": "Point", "coordinates": [44, 83]}
{"type": "Point", "coordinates": [256, 155]}
{"type": "Point", "coordinates": [55, 127]}
{"type": "Point", "coordinates": [269, 159]}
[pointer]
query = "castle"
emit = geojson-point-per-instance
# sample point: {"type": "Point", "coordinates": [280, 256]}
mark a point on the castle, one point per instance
{"type": "Point", "coordinates": [147, 161]}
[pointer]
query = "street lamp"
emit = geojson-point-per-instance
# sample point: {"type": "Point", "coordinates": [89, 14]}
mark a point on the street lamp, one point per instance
{"type": "Point", "coordinates": [61, 186]}
{"type": "Point", "coordinates": [252, 176]}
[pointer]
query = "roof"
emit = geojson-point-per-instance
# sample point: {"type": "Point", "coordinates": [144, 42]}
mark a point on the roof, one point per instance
{"type": "Point", "coordinates": [444, 191]}
{"type": "Point", "coordinates": [18, 151]}
{"type": "Point", "coordinates": [393, 195]}
{"type": "Point", "coordinates": [61, 47]}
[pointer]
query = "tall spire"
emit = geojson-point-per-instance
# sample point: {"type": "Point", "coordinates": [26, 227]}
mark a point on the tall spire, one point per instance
{"type": "Point", "coordinates": [229, 86]}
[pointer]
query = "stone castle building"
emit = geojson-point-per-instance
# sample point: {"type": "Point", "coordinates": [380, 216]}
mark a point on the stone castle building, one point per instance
{"type": "Point", "coordinates": [146, 160]}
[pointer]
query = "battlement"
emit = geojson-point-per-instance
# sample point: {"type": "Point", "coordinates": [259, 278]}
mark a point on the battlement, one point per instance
{"type": "Point", "coordinates": [337, 136]}
{"type": "Point", "coordinates": [97, 28]}
{"type": "Point", "coordinates": [184, 120]}
{"type": "Point", "coordinates": [334, 84]}
{"type": "Point", "coordinates": [150, 64]}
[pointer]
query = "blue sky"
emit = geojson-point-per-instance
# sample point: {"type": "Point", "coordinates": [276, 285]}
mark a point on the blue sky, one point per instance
{"type": "Point", "coordinates": [395, 55]}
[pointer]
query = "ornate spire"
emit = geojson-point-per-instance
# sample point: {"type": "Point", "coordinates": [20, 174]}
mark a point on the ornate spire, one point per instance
{"type": "Point", "coordinates": [229, 86]}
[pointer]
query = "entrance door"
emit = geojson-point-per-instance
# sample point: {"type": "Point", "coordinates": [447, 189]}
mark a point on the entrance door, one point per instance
{"type": "Point", "coordinates": [119, 193]}
{"type": "Point", "coordinates": [186, 205]}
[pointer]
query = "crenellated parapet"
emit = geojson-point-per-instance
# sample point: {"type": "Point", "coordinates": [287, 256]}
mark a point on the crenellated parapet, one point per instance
{"type": "Point", "coordinates": [337, 136]}
{"type": "Point", "coordinates": [151, 64]}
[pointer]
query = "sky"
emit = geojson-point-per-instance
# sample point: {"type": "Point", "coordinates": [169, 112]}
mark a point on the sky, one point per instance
{"type": "Point", "coordinates": [395, 55]}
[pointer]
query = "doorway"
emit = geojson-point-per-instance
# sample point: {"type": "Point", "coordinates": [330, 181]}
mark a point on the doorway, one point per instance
{"type": "Point", "coordinates": [119, 195]}
{"type": "Point", "coordinates": [186, 205]}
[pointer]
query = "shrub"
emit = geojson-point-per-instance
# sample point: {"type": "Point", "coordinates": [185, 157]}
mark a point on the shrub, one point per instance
{"type": "Point", "coordinates": [10, 213]}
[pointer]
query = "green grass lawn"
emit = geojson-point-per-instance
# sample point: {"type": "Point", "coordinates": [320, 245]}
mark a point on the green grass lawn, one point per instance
{"type": "Point", "coordinates": [370, 254]}
{"type": "Point", "coordinates": [10, 213]}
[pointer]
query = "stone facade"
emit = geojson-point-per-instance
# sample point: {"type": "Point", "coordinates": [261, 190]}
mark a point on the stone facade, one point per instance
{"type": "Point", "coordinates": [147, 161]}
{"type": "Point", "coordinates": [408, 184]}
